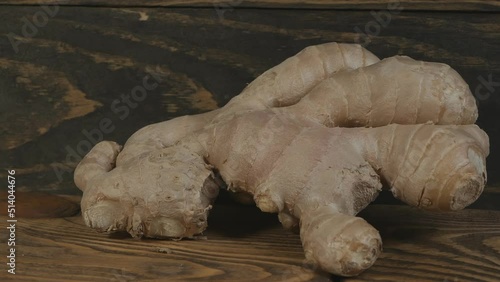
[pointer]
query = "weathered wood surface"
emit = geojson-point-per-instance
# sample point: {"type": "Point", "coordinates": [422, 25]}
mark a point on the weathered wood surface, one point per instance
{"type": "Point", "coordinates": [39, 205]}
{"type": "Point", "coordinates": [61, 79]}
{"type": "Point", "coordinates": [243, 244]}
{"type": "Point", "coordinates": [439, 5]}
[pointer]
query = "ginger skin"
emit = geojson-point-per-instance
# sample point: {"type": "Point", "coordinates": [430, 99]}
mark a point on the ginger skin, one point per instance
{"type": "Point", "coordinates": [285, 141]}
{"type": "Point", "coordinates": [282, 85]}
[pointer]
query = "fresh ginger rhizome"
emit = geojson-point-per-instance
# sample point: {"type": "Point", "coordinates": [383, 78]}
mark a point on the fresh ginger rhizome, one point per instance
{"type": "Point", "coordinates": [311, 139]}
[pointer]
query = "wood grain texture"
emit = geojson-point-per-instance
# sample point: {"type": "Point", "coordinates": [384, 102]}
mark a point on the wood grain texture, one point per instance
{"type": "Point", "coordinates": [433, 5]}
{"type": "Point", "coordinates": [243, 244]}
{"type": "Point", "coordinates": [60, 85]}
{"type": "Point", "coordinates": [39, 205]}
{"type": "Point", "coordinates": [60, 80]}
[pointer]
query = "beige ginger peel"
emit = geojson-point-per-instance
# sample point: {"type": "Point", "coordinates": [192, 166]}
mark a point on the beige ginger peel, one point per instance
{"type": "Point", "coordinates": [311, 139]}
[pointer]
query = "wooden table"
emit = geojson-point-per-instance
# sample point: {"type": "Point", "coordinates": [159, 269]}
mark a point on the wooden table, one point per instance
{"type": "Point", "coordinates": [244, 244]}
{"type": "Point", "coordinates": [63, 66]}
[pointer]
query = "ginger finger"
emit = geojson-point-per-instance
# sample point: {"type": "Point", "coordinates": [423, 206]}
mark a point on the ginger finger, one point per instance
{"type": "Point", "coordinates": [395, 90]}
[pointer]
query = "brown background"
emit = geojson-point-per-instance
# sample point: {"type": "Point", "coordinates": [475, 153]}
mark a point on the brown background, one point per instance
{"type": "Point", "coordinates": [63, 79]}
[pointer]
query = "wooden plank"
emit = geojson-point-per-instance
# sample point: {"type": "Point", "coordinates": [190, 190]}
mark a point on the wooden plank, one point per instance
{"type": "Point", "coordinates": [37, 205]}
{"type": "Point", "coordinates": [244, 244]}
{"type": "Point", "coordinates": [433, 5]}
{"type": "Point", "coordinates": [60, 84]}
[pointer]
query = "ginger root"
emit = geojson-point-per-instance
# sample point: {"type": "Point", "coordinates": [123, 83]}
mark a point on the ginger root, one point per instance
{"type": "Point", "coordinates": [311, 139]}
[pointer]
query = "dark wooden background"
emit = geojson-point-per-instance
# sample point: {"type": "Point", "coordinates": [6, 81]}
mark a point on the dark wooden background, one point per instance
{"type": "Point", "coordinates": [62, 77]}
